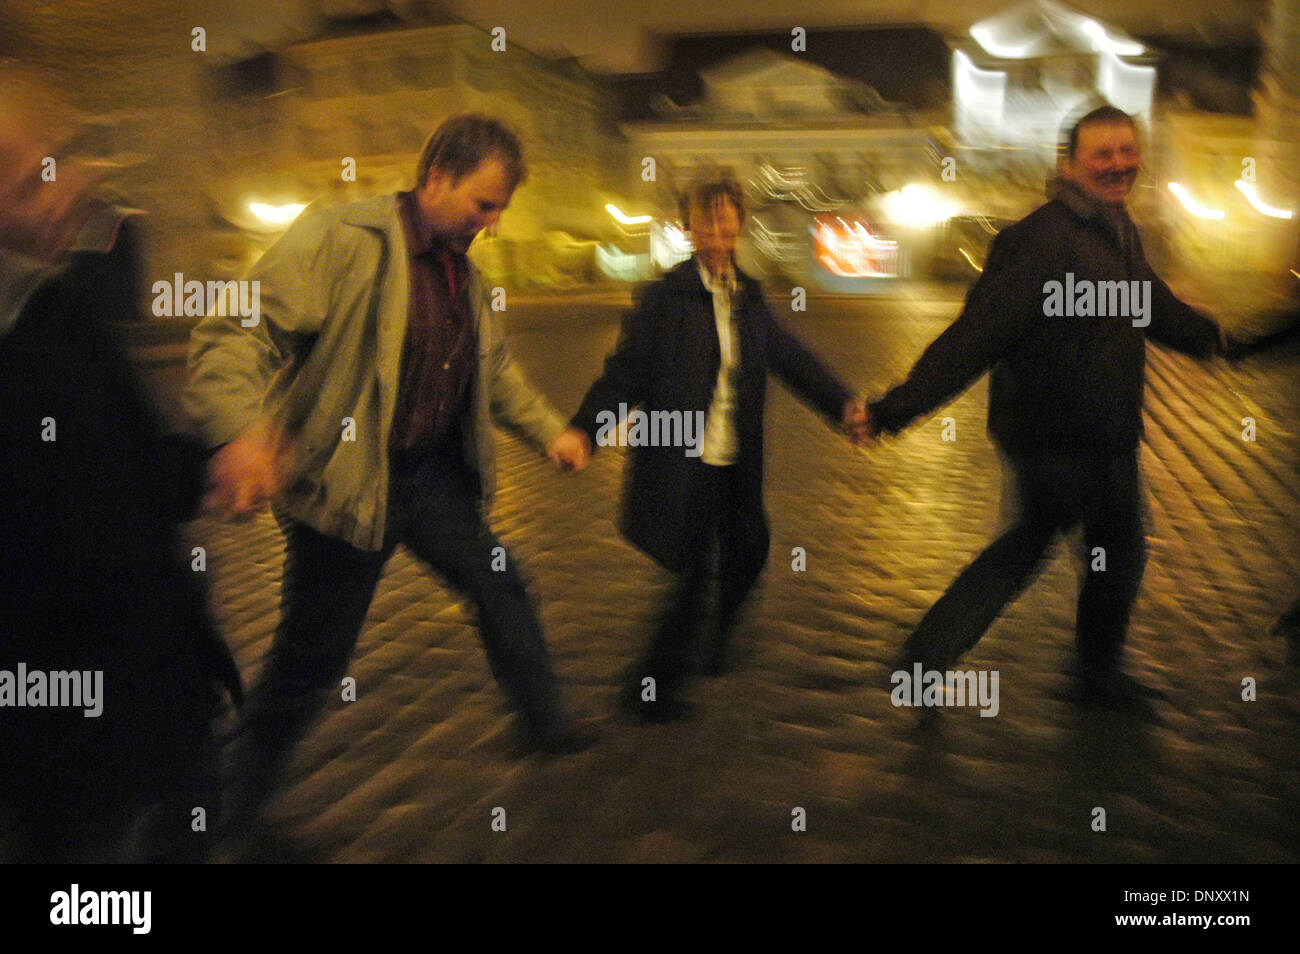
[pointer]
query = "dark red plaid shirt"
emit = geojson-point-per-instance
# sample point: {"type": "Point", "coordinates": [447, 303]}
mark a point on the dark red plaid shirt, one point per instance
{"type": "Point", "coordinates": [438, 357]}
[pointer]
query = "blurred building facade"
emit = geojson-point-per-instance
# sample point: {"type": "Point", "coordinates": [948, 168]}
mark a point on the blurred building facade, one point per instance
{"type": "Point", "coordinates": [344, 117]}
{"type": "Point", "coordinates": [270, 105]}
{"type": "Point", "coordinates": [817, 153]}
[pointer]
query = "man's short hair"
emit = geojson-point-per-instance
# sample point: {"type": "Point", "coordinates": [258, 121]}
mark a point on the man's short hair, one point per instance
{"type": "Point", "coordinates": [1102, 114]}
{"type": "Point", "coordinates": [462, 142]}
{"type": "Point", "coordinates": [709, 191]}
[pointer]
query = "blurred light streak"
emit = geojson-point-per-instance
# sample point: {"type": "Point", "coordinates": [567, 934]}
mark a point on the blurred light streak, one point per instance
{"type": "Point", "coordinates": [1128, 87]}
{"type": "Point", "coordinates": [778, 186]}
{"type": "Point", "coordinates": [777, 246]}
{"type": "Point", "coordinates": [621, 266]}
{"type": "Point", "coordinates": [1192, 206]}
{"type": "Point", "coordinates": [668, 245]}
{"type": "Point", "coordinates": [624, 219]}
{"type": "Point", "coordinates": [1103, 42]}
{"type": "Point", "coordinates": [1252, 196]}
{"type": "Point", "coordinates": [996, 46]}
{"type": "Point", "coordinates": [979, 93]}
{"type": "Point", "coordinates": [850, 250]}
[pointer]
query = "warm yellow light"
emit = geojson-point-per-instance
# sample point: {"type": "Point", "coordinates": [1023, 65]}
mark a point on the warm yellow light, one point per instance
{"type": "Point", "coordinates": [276, 214]}
{"type": "Point", "coordinates": [1103, 42]}
{"type": "Point", "coordinates": [917, 204]}
{"type": "Point", "coordinates": [1192, 206]}
{"type": "Point", "coordinates": [966, 255]}
{"type": "Point", "coordinates": [1248, 190]}
{"type": "Point", "coordinates": [997, 47]}
{"type": "Point", "coordinates": [624, 219]}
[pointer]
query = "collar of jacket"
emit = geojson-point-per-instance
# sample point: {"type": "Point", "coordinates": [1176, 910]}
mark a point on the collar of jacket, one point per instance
{"type": "Point", "coordinates": [1112, 219]}
{"type": "Point", "coordinates": [382, 213]}
{"type": "Point", "coordinates": [685, 277]}
{"type": "Point", "coordinates": [1082, 204]}
{"type": "Point", "coordinates": [378, 212]}
{"type": "Point", "coordinates": [21, 276]}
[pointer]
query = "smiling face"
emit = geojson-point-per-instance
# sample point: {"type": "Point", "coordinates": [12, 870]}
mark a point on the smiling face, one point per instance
{"type": "Point", "coordinates": [714, 231]}
{"type": "Point", "coordinates": [1106, 161]}
{"type": "Point", "coordinates": [456, 210]}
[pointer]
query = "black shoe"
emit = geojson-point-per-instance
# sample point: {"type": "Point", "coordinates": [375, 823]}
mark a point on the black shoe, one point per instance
{"type": "Point", "coordinates": [564, 738]}
{"type": "Point", "coordinates": [1112, 687]}
{"type": "Point", "coordinates": [667, 706]}
{"type": "Point", "coordinates": [716, 663]}
{"type": "Point", "coordinates": [1288, 628]}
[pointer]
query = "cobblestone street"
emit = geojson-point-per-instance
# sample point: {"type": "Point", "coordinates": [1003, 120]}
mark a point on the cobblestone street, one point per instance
{"type": "Point", "coordinates": [412, 770]}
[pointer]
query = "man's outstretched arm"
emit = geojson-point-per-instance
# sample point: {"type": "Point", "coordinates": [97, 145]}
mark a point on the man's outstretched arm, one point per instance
{"type": "Point", "coordinates": [1006, 294]}
{"type": "Point", "coordinates": [232, 359]}
{"type": "Point", "coordinates": [515, 403]}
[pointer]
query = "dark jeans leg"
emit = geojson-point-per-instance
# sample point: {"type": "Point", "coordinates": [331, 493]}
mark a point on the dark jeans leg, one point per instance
{"type": "Point", "coordinates": [671, 656]}
{"type": "Point", "coordinates": [743, 543]}
{"type": "Point", "coordinates": [973, 601]}
{"type": "Point", "coordinates": [1113, 522]}
{"type": "Point", "coordinates": [717, 549]}
{"type": "Point", "coordinates": [326, 590]}
{"type": "Point", "coordinates": [975, 598]}
{"type": "Point", "coordinates": [448, 533]}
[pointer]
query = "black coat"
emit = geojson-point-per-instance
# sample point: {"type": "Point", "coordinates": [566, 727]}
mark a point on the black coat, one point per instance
{"type": "Point", "coordinates": [93, 571]}
{"type": "Point", "coordinates": [667, 359]}
{"type": "Point", "coordinates": [1072, 383]}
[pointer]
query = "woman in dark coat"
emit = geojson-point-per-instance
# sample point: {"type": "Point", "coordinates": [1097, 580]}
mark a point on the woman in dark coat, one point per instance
{"type": "Point", "coordinates": [696, 353]}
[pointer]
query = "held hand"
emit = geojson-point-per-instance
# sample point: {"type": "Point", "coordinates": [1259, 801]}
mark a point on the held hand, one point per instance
{"type": "Point", "coordinates": [858, 426]}
{"type": "Point", "coordinates": [241, 478]}
{"type": "Point", "coordinates": [570, 451]}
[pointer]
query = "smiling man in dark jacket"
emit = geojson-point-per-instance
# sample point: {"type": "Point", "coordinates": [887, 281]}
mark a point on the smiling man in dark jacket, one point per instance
{"type": "Point", "coordinates": [1060, 315]}
{"type": "Point", "coordinates": [695, 356]}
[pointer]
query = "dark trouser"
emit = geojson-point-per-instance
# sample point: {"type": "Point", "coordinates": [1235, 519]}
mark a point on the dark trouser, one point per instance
{"type": "Point", "coordinates": [73, 788]}
{"type": "Point", "coordinates": [1057, 491]}
{"type": "Point", "coordinates": [327, 589]}
{"type": "Point", "coordinates": [731, 544]}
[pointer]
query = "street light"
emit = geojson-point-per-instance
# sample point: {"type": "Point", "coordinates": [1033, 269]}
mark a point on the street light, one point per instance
{"type": "Point", "coordinates": [276, 214]}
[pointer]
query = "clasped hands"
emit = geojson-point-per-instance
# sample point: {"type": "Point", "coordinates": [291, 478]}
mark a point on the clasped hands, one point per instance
{"type": "Point", "coordinates": [859, 426]}
{"type": "Point", "coordinates": [242, 475]}
{"type": "Point", "coordinates": [571, 450]}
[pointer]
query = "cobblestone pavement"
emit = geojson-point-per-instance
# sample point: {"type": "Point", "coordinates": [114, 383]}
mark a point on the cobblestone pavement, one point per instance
{"type": "Point", "coordinates": [412, 770]}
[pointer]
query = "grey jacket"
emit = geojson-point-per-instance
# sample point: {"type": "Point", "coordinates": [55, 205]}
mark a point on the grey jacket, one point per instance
{"type": "Point", "coordinates": [334, 293]}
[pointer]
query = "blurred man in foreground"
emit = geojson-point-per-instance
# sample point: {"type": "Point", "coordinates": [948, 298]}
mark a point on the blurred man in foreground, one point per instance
{"type": "Point", "coordinates": [110, 667]}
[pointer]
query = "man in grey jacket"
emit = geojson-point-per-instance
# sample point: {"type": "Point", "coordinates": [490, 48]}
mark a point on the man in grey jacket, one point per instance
{"type": "Point", "coordinates": [377, 431]}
